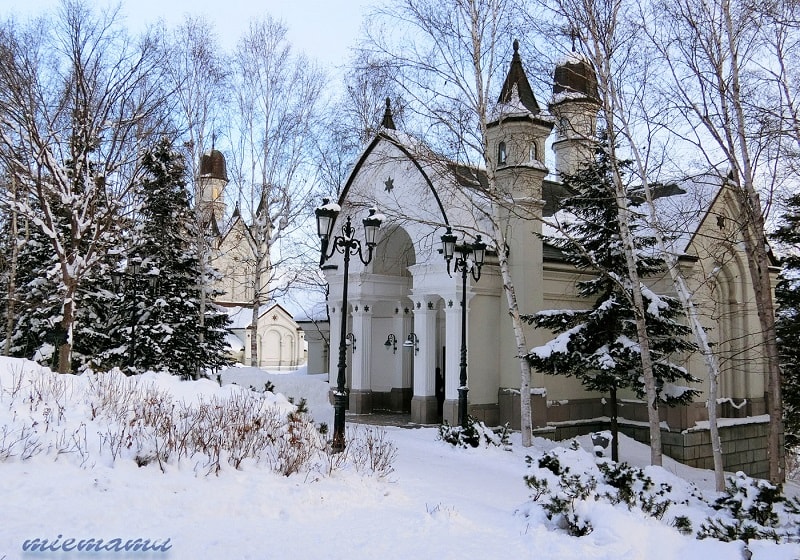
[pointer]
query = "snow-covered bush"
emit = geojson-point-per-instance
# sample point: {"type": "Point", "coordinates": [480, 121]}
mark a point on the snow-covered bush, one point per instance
{"type": "Point", "coordinates": [569, 486]}
{"type": "Point", "coordinates": [752, 509]}
{"type": "Point", "coordinates": [475, 433]}
{"type": "Point", "coordinates": [157, 419]}
{"type": "Point", "coordinates": [565, 479]}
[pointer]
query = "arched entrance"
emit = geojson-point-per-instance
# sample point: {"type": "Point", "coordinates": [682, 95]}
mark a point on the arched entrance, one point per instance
{"type": "Point", "coordinates": [382, 317]}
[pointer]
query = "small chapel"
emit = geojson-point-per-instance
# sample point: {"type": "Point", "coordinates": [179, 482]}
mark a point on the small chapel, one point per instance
{"type": "Point", "coordinates": [280, 340]}
{"type": "Point", "coordinates": [404, 307]}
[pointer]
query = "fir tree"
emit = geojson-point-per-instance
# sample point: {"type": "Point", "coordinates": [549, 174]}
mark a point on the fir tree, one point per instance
{"type": "Point", "coordinates": [599, 346]}
{"type": "Point", "coordinates": [787, 295]}
{"type": "Point", "coordinates": [38, 299]}
{"type": "Point", "coordinates": [95, 345]}
{"type": "Point", "coordinates": [159, 323]}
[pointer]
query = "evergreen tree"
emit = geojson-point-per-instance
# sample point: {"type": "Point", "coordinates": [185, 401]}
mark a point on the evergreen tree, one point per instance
{"type": "Point", "coordinates": [97, 311]}
{"type": "Point", "coordinates": [158, 319]}
{"type": "Point", "coordinates": [599, 345]}
{"type": "Point", "coordinates": [787, 295]}
{"type": "Point", "coordinates": [36, 332]}
{"type": "Point", "coordinates": [38, 295]}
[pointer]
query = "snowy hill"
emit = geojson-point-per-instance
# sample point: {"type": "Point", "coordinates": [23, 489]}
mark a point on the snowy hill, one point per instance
{"type": "Point", "coordinates": [71, 447]}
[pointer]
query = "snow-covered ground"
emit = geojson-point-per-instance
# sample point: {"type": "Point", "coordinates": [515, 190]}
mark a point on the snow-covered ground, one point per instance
{"type": "Point", "coordinates": [439, 502]}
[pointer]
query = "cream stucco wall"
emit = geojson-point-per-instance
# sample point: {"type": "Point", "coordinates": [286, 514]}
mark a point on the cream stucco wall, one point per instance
{"type": "Point", "coordinates": [407, 289]}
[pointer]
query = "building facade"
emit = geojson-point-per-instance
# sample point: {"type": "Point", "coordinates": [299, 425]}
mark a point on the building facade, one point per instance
{"type": "Point", "coordinates": [404, 307]}
{"type": "Point", "coordinates": [280, 341]}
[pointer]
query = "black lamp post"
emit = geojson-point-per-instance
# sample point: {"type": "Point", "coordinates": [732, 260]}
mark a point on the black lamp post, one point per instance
{"type": "Point", "coordinates": [129, 279]}
{"type": "Point", "coordinates": [478, 252]}
{"type": "Point", "coordinates": [347, 245]}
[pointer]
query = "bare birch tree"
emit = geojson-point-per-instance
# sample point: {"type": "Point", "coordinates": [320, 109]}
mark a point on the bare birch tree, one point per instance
{"type": "Point", "coordinates": [450, 63]}
{"type": "Point", "coordinates": [275, 96]}
{"type": "Point", "coordinates": [197, 73]}
{"type": "Point", "coordinates": [77, 97]}
{"type": "Point", "coordinates": [714, 51]}
{"type": "Point", "coordinates": [609, 33]}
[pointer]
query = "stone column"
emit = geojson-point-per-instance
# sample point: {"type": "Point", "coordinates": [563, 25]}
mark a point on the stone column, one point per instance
{"type": "Point", "coordinates": [335, 313]}
{"type": "Point", "coordinates": [401, 391]}
{"type": "Point", "coordinates": [361, 359]}
{"type": "Point", "coordinates": [423, 403]}
{"type": "Point", "coordinates": [453, 358]}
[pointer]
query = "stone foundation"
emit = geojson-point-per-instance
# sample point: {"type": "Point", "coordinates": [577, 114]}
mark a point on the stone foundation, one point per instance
{"type": "Point", "coordinates": [424, 410]}
{"type": "Point", "coordinates": [744, 440]}
{"type": "Point", "coordinates": [744, 445]}
{"type": "Point", "coordinates": [396, 400]}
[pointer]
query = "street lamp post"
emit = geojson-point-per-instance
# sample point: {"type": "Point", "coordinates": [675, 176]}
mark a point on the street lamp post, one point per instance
{"type": "Point", "coordinates": [130, 279]}
{"type": "Point", "coordinates": [347, 245]}
{"type": "Point", "coordinates": [461, 264]}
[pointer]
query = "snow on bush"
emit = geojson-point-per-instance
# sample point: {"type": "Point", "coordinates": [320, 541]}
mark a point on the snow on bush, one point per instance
{"type": "Point", "coordinates": [474, 434]}
{"type": "Point", "coordinates": [156, 418]}
{"type": "Point", "coordinates": [570, 489]}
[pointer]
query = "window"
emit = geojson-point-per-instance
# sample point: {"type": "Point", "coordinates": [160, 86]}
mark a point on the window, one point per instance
{"type": "Point", "coordinates": [534, 152]}
{"type": "Point", "coordinates": [501, 153]}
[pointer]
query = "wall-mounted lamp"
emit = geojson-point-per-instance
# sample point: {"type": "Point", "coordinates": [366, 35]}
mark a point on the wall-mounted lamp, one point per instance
{"type": "Point", "coordinates": [391, 342]}
{"type": "Point", "coordinates": [412, 342]}
{"type": "Point", "coordinates": [350, 339]}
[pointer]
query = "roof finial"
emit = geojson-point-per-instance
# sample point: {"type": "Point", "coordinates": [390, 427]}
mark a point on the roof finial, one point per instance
{"type": "Point", "coordinates": [572, 36]}
{"type": "Point", "coordinates": [516, 85]}
{"type": "Point", "coordinates": [388, 121]}
{"type": "Point", "coordinates": [213, 140]}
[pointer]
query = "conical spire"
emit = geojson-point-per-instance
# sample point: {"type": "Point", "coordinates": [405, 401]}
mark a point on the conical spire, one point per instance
{"type": "Point", "coordinates": [517, 86]}
{"type": "Point", "coordinates": [388, 121]}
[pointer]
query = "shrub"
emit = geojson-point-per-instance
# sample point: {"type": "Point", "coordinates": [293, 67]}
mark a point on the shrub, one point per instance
{"type": "Point", "coordinates": [752, 509]}
{"type": "Point", "coordinates": [475, 433]}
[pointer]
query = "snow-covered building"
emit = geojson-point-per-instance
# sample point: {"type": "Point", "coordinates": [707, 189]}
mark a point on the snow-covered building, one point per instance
{"type": "Point", "coordinates": [404, 307]}
{"type": "Point", "coordinates": [280, 341]}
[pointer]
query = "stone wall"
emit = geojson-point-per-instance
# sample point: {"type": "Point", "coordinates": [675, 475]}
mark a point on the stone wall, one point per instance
{"type": "Point", "coordinates": [744, 445]}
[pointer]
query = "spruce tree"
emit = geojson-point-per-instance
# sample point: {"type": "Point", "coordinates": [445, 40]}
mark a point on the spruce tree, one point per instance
{"type": "Point", "coordinates": [787, 326]}
{"type": "Point", "coordinates": [38, 293]}
{"type": "Point", "coordinates": [599, 346]}
{"type": "Point", "coordinates": [159, 322]}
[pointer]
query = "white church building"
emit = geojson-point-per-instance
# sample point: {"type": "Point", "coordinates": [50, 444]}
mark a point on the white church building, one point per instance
{"type": "Point", "coordinates": [404, 308]}
{"type": "Point", "coordinates": [280, 340]}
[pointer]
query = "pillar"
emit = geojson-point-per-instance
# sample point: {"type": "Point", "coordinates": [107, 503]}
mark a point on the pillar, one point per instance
{"type": "Point", "coordinates": [361, 359]}
{"type": "Point", "coordinates": [423, 403]}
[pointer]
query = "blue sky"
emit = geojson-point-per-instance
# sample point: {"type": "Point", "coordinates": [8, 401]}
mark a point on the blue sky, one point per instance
{"type": "Point", "coordinates": [323, 29]}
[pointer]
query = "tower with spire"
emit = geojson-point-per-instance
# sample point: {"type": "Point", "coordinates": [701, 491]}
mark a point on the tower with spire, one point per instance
{"type": "Point", "coordinates": [516, 136]}
{"type": "Point", "coordinates": [515, 157]}
{"type": "Point", "coordinates": [211, 181]}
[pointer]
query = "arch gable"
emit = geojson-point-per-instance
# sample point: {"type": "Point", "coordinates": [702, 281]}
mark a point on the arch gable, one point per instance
{"type": "Point", "coordinates": [370, 150]}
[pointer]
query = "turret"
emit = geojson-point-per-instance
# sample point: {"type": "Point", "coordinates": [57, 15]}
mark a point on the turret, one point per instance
{"type": "Point", "coordinates": [574, 105]}
{"type": "Point", "coordinates": [516, 135]}
{"type": "Point", "coordinates": [211, 181]}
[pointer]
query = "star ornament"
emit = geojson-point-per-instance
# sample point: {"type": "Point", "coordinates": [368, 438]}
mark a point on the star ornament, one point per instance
{"type": "Point", "coordinates": [389, 184]}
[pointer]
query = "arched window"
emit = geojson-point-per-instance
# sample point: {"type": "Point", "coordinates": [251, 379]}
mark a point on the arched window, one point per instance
{"type": "Point", "coordinates": [501, 153]}
{"type": "Point", "coordinates": [534, 152]}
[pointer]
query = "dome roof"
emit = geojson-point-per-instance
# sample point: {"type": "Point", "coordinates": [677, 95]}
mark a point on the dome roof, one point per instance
{"type": "Point", "coordinates": [212, 165]}
{"type": "Point", "coordinates": [575, 77]}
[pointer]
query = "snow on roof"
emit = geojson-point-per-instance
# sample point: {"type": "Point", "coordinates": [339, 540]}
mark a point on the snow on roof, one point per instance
{"type": "Point", "coordinates": [241, 317]}
{"type": "Point", "coordinates": [234, 343]}
{"type": "Point", "coordinates": [680, 214]}
{"type": "Point", "coordinates": [681, 207]}
{"type": "Point", "coordinates": [573, 57]}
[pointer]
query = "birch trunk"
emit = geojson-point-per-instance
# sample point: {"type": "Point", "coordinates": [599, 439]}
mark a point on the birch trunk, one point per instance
{"type": "Point", "coordinates": [12, 273]}
{"type": "Point", "coordinates": [526, 425]}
